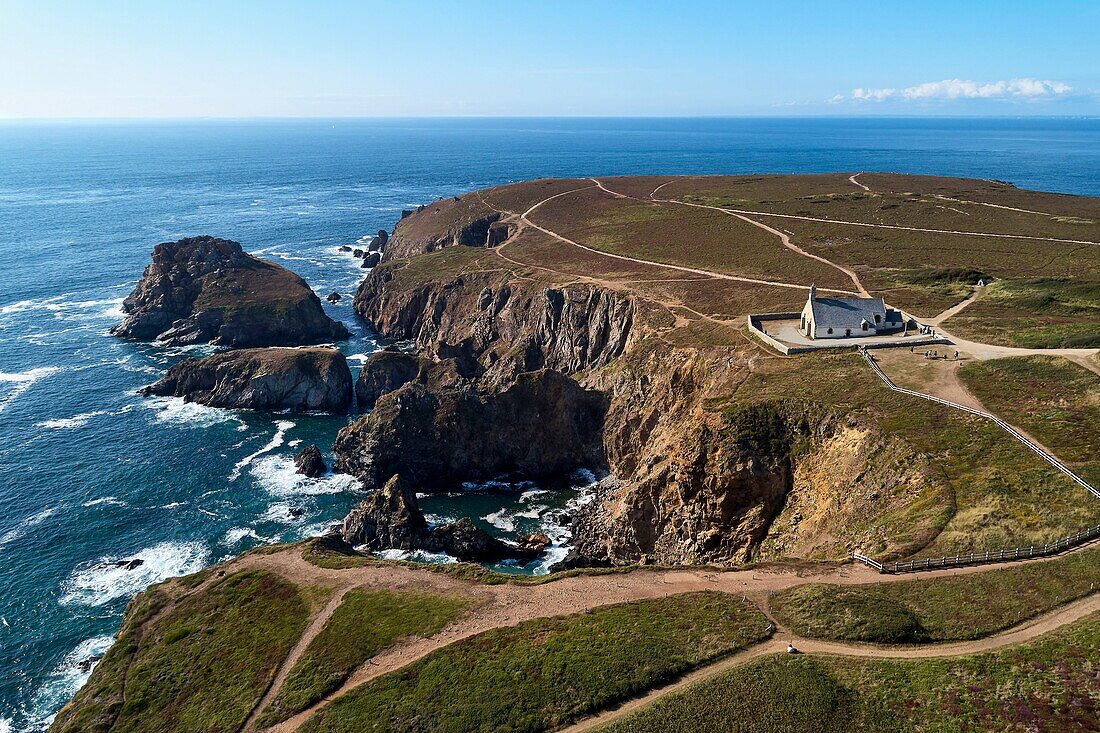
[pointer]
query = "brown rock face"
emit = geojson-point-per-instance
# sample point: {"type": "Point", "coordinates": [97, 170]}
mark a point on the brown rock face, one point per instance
{"type": "Point", "coordinates": [262, 379]}
{"type": "Point", "coordinates": [543, 424]}
{"type": "Point", "coordinates": [390, 518]}
{"type": "Point", "coordinates": [208, 290]}
{"type": "Point", "coordinates": [507, 328]}
{"type": "Point", "coordinates": [384, 372]}
{"type": "Point", "coordinates": [310, 462]}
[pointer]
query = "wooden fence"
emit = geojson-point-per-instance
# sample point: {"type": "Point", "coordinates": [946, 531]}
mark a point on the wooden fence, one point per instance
{"type": "Point", "coordinates": [979, 558]}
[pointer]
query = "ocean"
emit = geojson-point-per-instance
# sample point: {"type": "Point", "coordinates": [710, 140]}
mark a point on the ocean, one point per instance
{"type": "Point", "coordinates": [91, 473]}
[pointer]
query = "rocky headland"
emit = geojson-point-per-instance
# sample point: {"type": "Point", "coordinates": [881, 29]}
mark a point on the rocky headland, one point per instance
{"type": "Point", "coordinates": [209, 290]}
{"type": "Point", "coordinates": [528, 377]}
{"type": "Point", "coordinates": [299, 380]}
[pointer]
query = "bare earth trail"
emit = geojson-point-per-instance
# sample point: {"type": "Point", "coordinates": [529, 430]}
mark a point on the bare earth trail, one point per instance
{"type": "Point", "coordinates": [509, 604]}
{"type": "Point", "coordinates": [525, 220]}
{"type": "Point", "coordinates": [778, 645]}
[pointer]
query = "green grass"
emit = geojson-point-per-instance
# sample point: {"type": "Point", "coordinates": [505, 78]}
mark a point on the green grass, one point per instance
{"type": "Point", "coordinates": [364, 623]}
{"type": "Point", "coordinates": [1046, 685]}
{"type": "Point", "coordinates": [1053, 399]}
{"type": "Point", "coordinates": [776, 695]}
{"type": "Point", "coordinates": [200, 667]}
{"type": "Point", "coordinates": [938, 609]}
{"type": "Point", "coordinates": [544, 673]}
{"type": "Point", "coordinates": [994, 492]}
{"type": "Point", "coordinates": [1036, 313]}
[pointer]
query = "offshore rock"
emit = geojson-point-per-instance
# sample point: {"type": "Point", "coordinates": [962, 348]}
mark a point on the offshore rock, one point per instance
{"type": "Point", "coordinates": [310, 462]}
{"type": "Point", "coordinates": [371, 259]}
{"type": "Point", "coordinates": [209, 290]}
{"type": "Point", "coordinates": [313, 379]}
{"type": "Point", "coordinates": [390, 518]}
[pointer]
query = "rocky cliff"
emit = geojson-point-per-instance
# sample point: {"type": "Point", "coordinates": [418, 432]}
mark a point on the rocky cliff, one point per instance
{"type": "Point", "coordinates": [262, 379]}
{"type": "Point", "coordinates": [498, 325]}
{"type": "Point", "coordinates": [698, 472]}
{"type": "Point", "coordinates": [208, 290]}
{"type": "Point", "coordinates": [465, 220]}
{"type": "Point", "coordinates": [543, 424]}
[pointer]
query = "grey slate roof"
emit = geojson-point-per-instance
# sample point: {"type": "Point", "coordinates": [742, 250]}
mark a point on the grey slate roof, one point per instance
{"type": "Point", "coordinates": [844, 313]}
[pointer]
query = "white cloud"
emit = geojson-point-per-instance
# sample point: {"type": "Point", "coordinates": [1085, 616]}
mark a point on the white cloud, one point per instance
{"type": "Point", "coordinates": [951, 89]}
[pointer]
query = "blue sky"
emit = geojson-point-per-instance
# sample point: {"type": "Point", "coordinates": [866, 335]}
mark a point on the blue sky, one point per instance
{"type": "Point", "coordinates": [239, 58]}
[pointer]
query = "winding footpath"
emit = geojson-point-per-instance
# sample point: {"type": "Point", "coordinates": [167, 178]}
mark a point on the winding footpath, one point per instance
{"type": "Point", "coordinates": [497, 606]}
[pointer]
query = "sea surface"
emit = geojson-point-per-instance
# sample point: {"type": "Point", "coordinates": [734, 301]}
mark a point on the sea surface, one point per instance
{"type": "Point", "coordinates": [91, 473]}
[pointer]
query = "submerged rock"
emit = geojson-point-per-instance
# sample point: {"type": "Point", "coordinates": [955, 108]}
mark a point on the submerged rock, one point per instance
{"type": "Point", "coordinates": [262, 379]}
{"type": "Point", "coordinates": [310, 462]}
{"type": "Point", "coordinates": [209, 290]}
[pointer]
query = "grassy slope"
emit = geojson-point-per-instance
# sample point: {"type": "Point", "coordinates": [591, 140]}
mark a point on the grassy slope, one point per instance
{"type": "Point", "coordinates": [1047, 685]}
{"type": "Point", "coordinates": [1053, 399]}
{"type": "Point", "coordinates": [938, 609]}
{"type": "Point", "coordinates": [365, 622]}
{"type": "Point", "coordinates": [198, 668]}
{"type": "Point", "coordinates": [544, 673]}
{"type": "Point", "coordinates": [1000, 494]}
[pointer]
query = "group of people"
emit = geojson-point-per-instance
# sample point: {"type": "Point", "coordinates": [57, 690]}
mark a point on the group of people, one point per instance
{"type": "Point", "coordinates": [929, 354]}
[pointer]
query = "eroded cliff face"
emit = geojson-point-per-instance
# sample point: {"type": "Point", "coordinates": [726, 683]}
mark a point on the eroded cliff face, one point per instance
{"type": "Point", "coordinates": [498, 326]}
{"type": "Point", "coordinates": [689, 482]}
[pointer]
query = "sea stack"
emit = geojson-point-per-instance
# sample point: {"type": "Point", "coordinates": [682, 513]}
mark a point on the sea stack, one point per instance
{"type": "Point", "coordinates": [209, 290]}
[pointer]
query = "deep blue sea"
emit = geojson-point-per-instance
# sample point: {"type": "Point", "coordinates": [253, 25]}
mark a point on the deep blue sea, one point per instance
{"type": "Point", "coordinates": [91, 473]}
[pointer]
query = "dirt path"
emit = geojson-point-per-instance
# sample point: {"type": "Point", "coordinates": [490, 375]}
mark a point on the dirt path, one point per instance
{"type": "Point", "coordinates": [852, 178]}
{"type": "Point", "coordinates": [1025, 632]}
{"type": "Point", "coordinates": [312, 630]}
{"type": "Point", "coordinates": [524, 218]}
{"type": "Point", "coordinates": [507, 605]}
{"type": "Point", "coordinates": [953, 310]}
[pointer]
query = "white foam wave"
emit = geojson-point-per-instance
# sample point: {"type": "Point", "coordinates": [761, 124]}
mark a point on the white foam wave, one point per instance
{"type": "Point", "coordinates": [417, 556]}
{"type": "Point", "coordinates": [237, 534]}
{"type": "Point", "coordinates": [68, 423]}
{"type": "Point", "coordinates": [279, 477]}
{"type": "Point", "coordinates": [176, 411]}
{"type": "Point", "coordinates": [103, 581]}
{"type": "Point", "coordinates": [281, 428]}
{"type": "Point", "coordinates": [21, 529]}
{"type": "Point", "coordinates": [5, 725]}
{"type": "Point", "coordinates": [64, 681]}
{"type": "Point", "coordinates": [108, 500]}
{"type": "Point", "coordinates": [19, 382]}
{"type": "Point", "coordinates": [61, 306]}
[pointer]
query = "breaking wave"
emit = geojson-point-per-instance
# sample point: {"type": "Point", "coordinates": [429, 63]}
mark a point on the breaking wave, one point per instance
{"type": "Point", "coordinates": [109, 578]}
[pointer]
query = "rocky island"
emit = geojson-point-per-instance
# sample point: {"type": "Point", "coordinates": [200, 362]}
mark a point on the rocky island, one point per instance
{"type": "Point", "coordinates": [299, 380]}
{"type": "Point", "coordinates": [208, 290]}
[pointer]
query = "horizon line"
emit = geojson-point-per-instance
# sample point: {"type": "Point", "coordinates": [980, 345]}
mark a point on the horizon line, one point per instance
{"type": "Point", "coordinates": [252, 118]}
